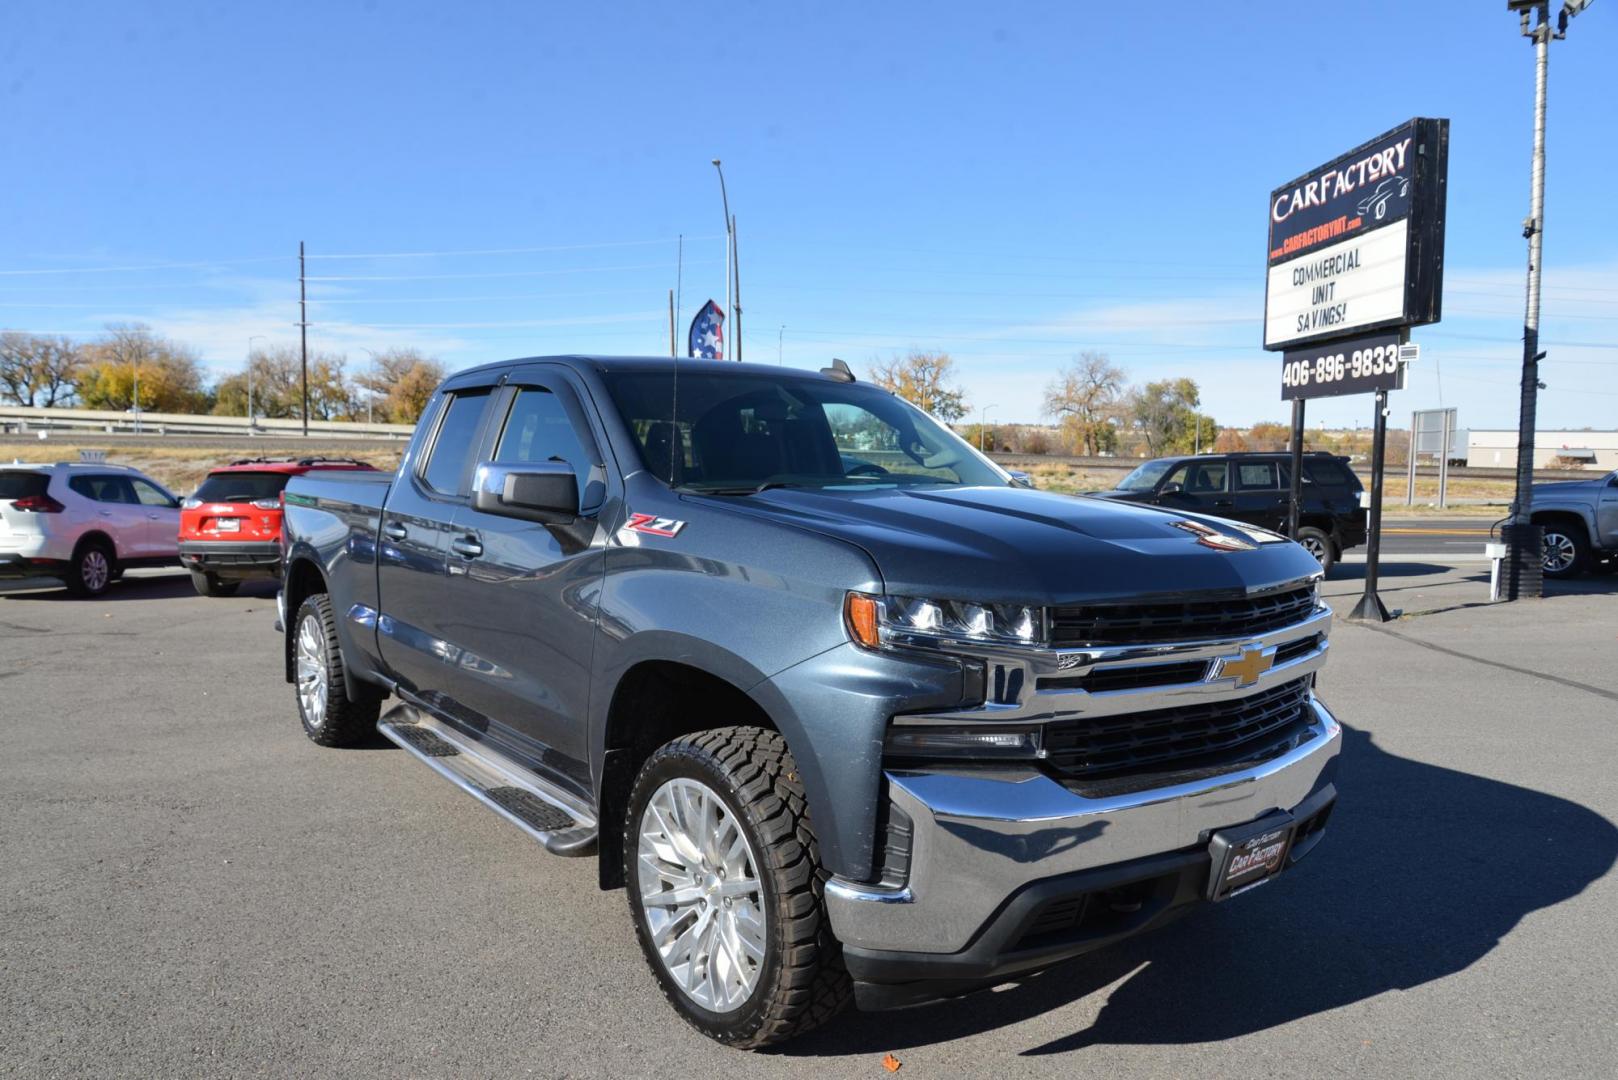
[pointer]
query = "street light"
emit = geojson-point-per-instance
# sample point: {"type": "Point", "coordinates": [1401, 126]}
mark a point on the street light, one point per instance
{"type": "Point", "coordinates": [250, 340]}
{"type": "Point", "coordinates": [1524, 538]}
{"type": "Point", "coordinates": [370, 387]}
{"type": "Point", "coordinates": [730, 262]}
{"type": "Point", "coordinates": [982, 413]}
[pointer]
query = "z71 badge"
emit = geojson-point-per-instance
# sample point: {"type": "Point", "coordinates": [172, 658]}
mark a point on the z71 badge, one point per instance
{"type": "Point", "coordinates": [654, 526]}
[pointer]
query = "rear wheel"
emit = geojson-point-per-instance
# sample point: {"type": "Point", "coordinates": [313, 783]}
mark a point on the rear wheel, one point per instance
{"type": "Point", "coordinates": [92, 569]}
{"type": "Point", "coordinates": [209, 584]}
{"type": "Point", "coordinates": [1318, 544]}
{"type": "Point", "coordinates": [321, 678]}
{"type": "Point", "coordinates": [1566, 550]}
{"type": "Point", "coordinates": [726, 889]}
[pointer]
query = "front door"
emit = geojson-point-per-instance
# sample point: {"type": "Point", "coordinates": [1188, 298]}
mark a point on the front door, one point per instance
{"type": "Point", "coordinates": [1198, 486]}
{"type": "Point", "coordinates": [523, 596]}
{"type": "Point", "coordinates": [413, 615]}
{"type": "Point", "coordinates": [161, 531]}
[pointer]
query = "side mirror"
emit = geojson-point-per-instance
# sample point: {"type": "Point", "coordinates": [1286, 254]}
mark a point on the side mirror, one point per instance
{"type": "Point", "coordinates": [545, 491]}
{"type": "Point", "coordinates": [1020, 478]}
{"type": "Point", "coordinates": [1172, 489]}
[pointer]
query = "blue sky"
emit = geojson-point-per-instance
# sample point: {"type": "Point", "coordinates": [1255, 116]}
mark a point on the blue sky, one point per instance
{"type": "Point", "coordinates": [1012, 183]}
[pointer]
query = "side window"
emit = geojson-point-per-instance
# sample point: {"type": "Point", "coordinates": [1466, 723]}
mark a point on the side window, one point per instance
{"type": "Point", "coordinates": [1256, 476]}
{"type": "Point", "coordinates": [452, 446]}
{"type": "Point", "coordinates": [1178, 479]}
{"type": "Point", "coordinates": [1326, 474]}
{"type": "Point", "coordinates": [1207, 477]}
{"type": "Point", "coordinates": [105, 489]}
{"type": "Point", "coordinates": [538, 429]}
{"type": "Point", "coordinates": [149, 494]}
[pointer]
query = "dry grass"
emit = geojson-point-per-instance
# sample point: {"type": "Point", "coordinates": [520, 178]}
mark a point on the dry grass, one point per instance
{"type": "Point", "coordinates": [181, 468]}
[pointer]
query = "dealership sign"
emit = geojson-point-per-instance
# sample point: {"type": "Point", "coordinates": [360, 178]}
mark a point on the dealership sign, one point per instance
{"type": "Point", "coordinates": [1358, 244]}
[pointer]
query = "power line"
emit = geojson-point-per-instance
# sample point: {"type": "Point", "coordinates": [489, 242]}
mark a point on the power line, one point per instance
{"type": "Point", "coordinates": [500, 274]}
{"type": "Point", "coordinates": [506, 251]}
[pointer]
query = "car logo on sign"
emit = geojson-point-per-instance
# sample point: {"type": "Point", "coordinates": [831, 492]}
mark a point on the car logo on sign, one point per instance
{"type": "Point", "coordinates": [1246, 668]}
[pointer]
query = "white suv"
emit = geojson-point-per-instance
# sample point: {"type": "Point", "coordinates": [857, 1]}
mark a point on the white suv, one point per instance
{"type": "Point", "coordinates": [84, 523]}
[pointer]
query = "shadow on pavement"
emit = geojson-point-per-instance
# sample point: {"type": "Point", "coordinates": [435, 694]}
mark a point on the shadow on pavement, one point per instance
{"type": "Point", "coordinates": [1356, 571]}
{"type": "Point", "coordinates": [1423, 870]}
{"type": "Point", "coordinates": [165, 586]}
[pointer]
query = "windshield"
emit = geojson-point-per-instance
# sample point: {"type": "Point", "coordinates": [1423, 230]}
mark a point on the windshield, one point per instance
{"type": "Point", "coordinates": [742, 433]}
{"type": "Point", "coordinates": [1145, 477]}
{"type": "Point", "coordinates": [241, 486]}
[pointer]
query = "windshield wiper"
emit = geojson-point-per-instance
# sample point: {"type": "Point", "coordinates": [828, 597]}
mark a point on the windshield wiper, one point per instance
{"type": "Point", "coordinates": [765, 486]}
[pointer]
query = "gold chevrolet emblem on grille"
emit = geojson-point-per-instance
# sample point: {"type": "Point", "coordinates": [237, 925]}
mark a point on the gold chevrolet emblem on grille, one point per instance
{"type": "Point", "coordinates": [1246, 668]}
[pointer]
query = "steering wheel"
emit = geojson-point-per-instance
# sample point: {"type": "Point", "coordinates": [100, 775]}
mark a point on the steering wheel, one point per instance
{"type": "Point", "coordinates": [866, 468]}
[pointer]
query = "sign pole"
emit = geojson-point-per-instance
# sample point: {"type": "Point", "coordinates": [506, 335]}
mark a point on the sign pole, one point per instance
{"type": "Point", "coordinates": [1295, 496]}
{"type": "Point", "coordinates": [1370, 608]}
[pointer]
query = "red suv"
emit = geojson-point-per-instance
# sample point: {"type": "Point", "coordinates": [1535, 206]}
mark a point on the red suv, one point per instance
{"type": "Point", "coordinates": [230, 529]}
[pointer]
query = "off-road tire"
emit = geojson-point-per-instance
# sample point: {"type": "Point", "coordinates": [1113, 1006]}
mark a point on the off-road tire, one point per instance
{"type": "Point", "coordinates": [1318, 543]}
{"type": "Point", "coordinates": [82, 581]}
{"type": "Point", "coordinates": [342, 722]}
{"type": "Point", "coordinates": [803, 982]}
{"type": "Point", "coordinates": [209, 584]}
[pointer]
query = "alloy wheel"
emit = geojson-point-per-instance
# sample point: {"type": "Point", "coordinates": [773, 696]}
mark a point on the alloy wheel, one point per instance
{"type": "Point", "coordinates": [1559, 552]}
{"type": "Point", "coordinates": [94, 570]}
{"type": "Point", "coordinates": [700, 894]}
{"type": "Point", "coordinates": [312, 670]}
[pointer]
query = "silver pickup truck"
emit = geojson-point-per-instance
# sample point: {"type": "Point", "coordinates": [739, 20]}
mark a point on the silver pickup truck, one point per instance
{"type": "Point", "coordinates": [1581, 525]}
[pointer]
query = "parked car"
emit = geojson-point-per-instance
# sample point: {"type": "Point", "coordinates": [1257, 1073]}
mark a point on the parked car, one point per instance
{"type": "Point", "coordinates": [230, 527]}
{"type": "Point", "coordinates": [1581, 525]}
{"type": "Point", "coordinates": [886, 732]}
{"type": "Point", "coordinates": [1257, 488]}
{"type": "Point", "coordinates": [84, 523]}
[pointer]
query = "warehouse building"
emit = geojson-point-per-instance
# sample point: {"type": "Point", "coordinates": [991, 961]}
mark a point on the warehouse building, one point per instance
{"type": "Point", "coordinates": [1594, 450]}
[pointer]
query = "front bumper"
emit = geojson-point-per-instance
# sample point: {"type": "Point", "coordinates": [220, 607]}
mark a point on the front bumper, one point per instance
{"type": "Point", "coordinates": [232, 559]}
{"type": "Point", "coordinates": [993, 851]}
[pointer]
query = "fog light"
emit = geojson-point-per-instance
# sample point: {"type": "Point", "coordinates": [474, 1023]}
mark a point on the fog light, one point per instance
{"type": "Point", "coordinates": [979, 742]}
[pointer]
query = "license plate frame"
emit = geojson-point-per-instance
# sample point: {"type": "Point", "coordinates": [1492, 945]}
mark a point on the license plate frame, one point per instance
{"type": "Point", "coordinates": [1247, 856]}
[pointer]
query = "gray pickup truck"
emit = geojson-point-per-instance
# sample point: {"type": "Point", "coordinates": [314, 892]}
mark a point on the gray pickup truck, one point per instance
{"type": "Point", "coordinates": [1581, 525]}
{"type": "Point", "coordinates": [851, 713]}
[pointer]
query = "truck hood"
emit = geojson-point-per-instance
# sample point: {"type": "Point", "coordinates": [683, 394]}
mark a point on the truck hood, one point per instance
{"type": "Point", "coordinates": [1566, 489]}
{"type": "Point", "coordinates": [1013, 545]}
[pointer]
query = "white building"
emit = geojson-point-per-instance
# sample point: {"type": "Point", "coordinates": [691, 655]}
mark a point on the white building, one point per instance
{"type": "Point", "coordinates": [1596, 450]}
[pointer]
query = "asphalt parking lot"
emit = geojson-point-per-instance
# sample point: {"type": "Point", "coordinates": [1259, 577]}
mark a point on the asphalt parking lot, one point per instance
{"type": "Point", "coordinates": [190, 887]}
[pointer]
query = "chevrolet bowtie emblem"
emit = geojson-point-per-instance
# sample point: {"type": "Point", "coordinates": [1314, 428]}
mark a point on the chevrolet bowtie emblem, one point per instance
{"type": "Point", "coordinates": [1246, 668]}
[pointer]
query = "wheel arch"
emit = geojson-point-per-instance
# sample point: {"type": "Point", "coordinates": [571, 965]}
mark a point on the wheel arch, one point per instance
{"type": "Point", "coordinates": [302, 580]}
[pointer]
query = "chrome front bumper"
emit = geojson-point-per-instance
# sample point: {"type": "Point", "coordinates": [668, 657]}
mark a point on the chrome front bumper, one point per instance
{"type": "Point", "coordinates": [981, 836]}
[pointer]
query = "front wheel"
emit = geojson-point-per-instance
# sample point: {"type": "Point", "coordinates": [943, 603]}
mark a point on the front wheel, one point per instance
{"type": "Point", "coordinates": [321, 678]}
{"type": "Point", "coordinates": [1318, 544]}
{"type": "Point", "coordinates": [1566, 551]}
{"type": "Point", "coordinates": [726, 889]}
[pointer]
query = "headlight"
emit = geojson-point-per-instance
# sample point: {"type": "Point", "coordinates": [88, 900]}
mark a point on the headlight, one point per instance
{"type": "Point", "coordinates": [885, 621]}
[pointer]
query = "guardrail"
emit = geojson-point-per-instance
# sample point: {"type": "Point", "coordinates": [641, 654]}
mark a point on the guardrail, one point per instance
{"type": "Point", "coordinates": [21, 420]}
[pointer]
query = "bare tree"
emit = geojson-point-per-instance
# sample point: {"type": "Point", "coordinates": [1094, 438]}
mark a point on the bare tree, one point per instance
{"type": "Point", "coordinates": [404, 380]}
{"type": "Point", "coordinates": [924, 379]}
{"type": "Point", "coordinates": [1085, 396]}
{"type": "Point", "coordinates": [36, 369]}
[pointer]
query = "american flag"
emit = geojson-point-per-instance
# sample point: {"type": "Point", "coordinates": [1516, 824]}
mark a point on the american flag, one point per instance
{"type": "Point", "coordinates": [708, 333]}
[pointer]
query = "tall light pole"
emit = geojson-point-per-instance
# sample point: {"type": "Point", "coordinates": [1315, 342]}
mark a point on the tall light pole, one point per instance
{"type": "Point", "coordinates": [730, 255]}
{"type": "Point", "coordinates": [370, 386]}
{"type": "Point", "coordinates": [1534, 19]}
{"type": "Point", "coordinates": [250, 340]}
{"type": "Point", "coordinates": [982, 414]}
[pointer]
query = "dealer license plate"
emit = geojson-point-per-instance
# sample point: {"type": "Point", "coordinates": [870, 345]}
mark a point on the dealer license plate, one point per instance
{"type": "Point", "coordinates": [229, 525]}
{"type": "Point", "coordinates": [1249, 856]}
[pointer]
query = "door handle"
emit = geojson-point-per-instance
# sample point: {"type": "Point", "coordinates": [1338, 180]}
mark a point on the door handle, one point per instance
{"type": "Point", "coordinates": [106, 513]}
{"type": "Point", "coordinates": [395, 531]}
{"type": "Point", "coordinates": [1223, 502]}
{"type": "Point", "coordinates": [151, 517]}
{"type": "Point", "coordinates": [466, 546]}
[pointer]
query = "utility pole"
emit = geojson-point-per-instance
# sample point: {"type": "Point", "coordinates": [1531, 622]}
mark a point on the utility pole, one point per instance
{"type": "Point", "coordinates": [982, 416]}
{"type": "Point", "coordinates": [779, 339]}
{"type": "Point", "coordinates": [736, 270]}
{"type": "Point", "coordinates": [303, 338]}
{"type": "Point", "coordinates": [1526, 541]}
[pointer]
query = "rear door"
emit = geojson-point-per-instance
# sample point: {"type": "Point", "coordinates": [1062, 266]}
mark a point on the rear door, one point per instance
{"type": "Point", "coordinates": [1257, 493]}
{"type": "Point", "coordinates": [112, 510]}
{"type": "Point", "coordinates": [415, 616]}
{"type": "Point", "coordinates": [522, 595]}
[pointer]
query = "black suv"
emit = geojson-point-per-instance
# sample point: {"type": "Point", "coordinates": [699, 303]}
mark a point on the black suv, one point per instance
{"type": "Point", "coordinates": [1255, 488]}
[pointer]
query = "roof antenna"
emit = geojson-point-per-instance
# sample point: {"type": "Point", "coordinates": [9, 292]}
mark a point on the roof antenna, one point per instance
{"type": "Point", "coordinates": [838, 370]}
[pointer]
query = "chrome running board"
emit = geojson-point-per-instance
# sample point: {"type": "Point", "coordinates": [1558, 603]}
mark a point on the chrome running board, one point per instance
{"type": "Point", "coordinates": [555, 818]}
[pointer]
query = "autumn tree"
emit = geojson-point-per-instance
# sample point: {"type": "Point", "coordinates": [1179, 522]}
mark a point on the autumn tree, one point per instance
{"type": "Point", "coordinates": [168, 374]}
{"type": "Point", "coordinates": [277, 386]}
{"type": "Point", "coordinates": [1166, 415]}
{"type": "Point", "coordinates": [1085, 396]}
{"type": "Point", "coordinates": [403, 380]}
{"type": "Point", "coordinates": [926, 380]}
{"type": "Point", "coordinates": [37, 369]}
{"type": "Point", "coordinates": [1270, 435]}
